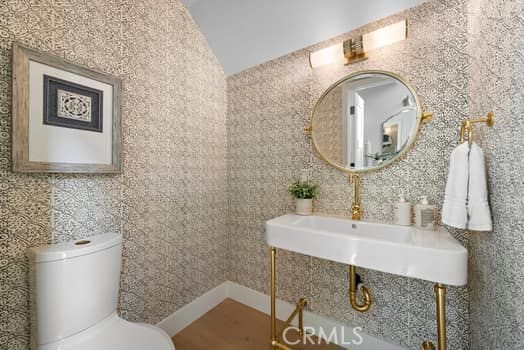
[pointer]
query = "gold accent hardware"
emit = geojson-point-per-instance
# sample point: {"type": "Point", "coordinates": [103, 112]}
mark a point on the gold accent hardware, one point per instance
{"type": "Point", "coordinates": [301, 304]}
{"type": "Point", "coordinates": [356, 208]}
{"type": "Point", "coordinates": [297, 312]}
{"type": "Point", "coordinates": [427, 117]}
{"type": "Point", "coordinates": [308, 130]}
{"type": "Point", "coordinates": [440, 294]}
{"type": "Point", "coordinates": [427, 345]}
{"type": "Point", "coordinates": [353, 292]}
{"type": "Point", "coordinates": [410, 143]}
{"type": "Point", "coordinates": [273, 299]}
{"type": "Point", "coordinates": [356, 213]}
{"type": "Point", "coordinates": [467, 126]}
{"type": "Point", "coordinates": [281, 346]}
{"type": "Point", "coordinates": [354, 50]}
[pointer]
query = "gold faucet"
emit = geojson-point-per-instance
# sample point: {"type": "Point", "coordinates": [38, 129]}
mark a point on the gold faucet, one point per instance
{"type": "Point", "coordinates": [356, 209]}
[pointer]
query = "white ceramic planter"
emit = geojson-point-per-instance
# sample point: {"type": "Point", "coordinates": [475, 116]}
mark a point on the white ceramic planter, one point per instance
{"type": "Point", "coordinates": [304, 206]}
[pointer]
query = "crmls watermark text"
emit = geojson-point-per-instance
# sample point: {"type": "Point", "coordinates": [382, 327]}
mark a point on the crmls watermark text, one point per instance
{"type": "Point", "coordinates": [336, 335]}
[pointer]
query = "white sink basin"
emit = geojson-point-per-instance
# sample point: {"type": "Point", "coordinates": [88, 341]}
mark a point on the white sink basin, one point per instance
{"type": "Point", "coordinates": [402, 250]}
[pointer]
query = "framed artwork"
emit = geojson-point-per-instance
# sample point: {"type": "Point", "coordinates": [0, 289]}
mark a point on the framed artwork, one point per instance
{"type": "Point", "coordinates": [66, 118]}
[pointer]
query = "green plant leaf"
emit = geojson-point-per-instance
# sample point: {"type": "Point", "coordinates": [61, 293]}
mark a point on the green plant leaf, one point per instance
{"type": "Point", "coordinates": [303, 190]}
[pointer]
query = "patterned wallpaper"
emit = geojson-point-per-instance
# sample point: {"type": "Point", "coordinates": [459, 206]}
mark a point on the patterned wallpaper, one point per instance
{"type": "Point", "coordinates": [170, 201]}
{"type": "Point", "coordinates": [268, 106]}
{"type": "Point", "coordinates": [497, 83]}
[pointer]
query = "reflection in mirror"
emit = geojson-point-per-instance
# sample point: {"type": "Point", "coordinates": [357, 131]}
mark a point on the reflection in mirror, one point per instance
{"type": "Point", "coordinates": [365, 121]}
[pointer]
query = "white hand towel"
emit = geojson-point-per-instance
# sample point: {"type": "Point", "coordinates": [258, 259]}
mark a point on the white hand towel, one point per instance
{"type": "Point", "coordinates": [478, 206]}
{"type": "Point", "coordinates": [466, 200]}
{"type": "Point", "coordinates": [454, 209]}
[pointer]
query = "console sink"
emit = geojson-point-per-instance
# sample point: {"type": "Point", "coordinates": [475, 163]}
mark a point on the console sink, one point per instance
{"type": "Point", "coordinates": [402, 250]}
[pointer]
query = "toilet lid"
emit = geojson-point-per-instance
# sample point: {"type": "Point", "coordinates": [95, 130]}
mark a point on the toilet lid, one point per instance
{"type": "Point", "coordinates": [115, 333]}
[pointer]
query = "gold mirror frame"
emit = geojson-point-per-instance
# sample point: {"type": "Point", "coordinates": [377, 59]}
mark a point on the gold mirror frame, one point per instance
{"type": "Point", "coordinates": [422, 117]}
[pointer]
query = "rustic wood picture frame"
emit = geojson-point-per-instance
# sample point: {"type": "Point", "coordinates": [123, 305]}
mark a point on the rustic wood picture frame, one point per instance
{"type": "Point", "coordinates": [20, 109]}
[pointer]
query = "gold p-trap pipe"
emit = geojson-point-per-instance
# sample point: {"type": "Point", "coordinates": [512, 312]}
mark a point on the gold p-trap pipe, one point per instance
{"type": "Point", "coordinates": [353, 292]}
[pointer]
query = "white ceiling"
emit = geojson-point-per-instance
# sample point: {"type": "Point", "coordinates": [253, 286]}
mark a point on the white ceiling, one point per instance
{"type": "Point", "coordinates": [244, 33]}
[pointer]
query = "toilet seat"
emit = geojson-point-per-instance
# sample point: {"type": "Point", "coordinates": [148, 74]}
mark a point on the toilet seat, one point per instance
{"type": "Point", "coordinates": [114, 333]}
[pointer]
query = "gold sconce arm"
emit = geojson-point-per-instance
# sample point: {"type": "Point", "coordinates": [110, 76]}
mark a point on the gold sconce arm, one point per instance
{"type": "Point", "coordinates": [353, 292]}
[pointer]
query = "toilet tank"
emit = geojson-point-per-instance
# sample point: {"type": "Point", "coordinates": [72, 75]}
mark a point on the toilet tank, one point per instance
{"type": "Point", "coordinates": [73, 285]}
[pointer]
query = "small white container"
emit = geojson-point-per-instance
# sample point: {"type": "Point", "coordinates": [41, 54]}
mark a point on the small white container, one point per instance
{"type": "Point", "coordinates": [403, 211]}
{"type": "Point", "coordinates": [304, 175]}
{"type": "Point", "coordinates": [425, 214]}
{"type": "Point", "coordinates": [304, 206]}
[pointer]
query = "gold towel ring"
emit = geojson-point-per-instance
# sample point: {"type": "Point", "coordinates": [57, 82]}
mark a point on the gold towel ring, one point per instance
{"type": "Point", "coordinates": [467, 126]}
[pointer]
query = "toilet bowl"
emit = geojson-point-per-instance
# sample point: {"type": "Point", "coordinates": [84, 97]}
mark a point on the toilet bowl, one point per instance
{"type": "Point", "coordinates": [115, 333]}
{"type": "Point", "coordinates": [74, 296]}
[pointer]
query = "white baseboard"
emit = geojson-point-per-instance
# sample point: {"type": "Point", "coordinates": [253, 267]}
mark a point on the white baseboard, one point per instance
{"type": "Point", "coordinates": [191, 312]}
{"type": "Point", "coordinates": [259, 301]}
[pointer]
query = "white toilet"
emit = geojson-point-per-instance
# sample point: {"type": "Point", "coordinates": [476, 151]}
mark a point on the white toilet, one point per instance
{"type": "Point", "coordinates": [74, 295]}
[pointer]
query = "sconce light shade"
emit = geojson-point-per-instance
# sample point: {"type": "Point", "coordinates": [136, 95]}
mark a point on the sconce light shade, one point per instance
{"type": "Point", "coordinates": [374, 40]}
{"type": "Point", "coordinates": [386, 36]}
{"type": "Point", "coordinates": [329, 55]}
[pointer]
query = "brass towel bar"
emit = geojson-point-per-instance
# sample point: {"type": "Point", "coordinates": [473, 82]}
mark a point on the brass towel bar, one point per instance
{"type": "Point", "coordinates": [467, 126]}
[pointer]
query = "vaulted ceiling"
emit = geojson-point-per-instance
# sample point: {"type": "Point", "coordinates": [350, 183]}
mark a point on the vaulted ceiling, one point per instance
{"type": "Point", "coordinates": [244, 33]}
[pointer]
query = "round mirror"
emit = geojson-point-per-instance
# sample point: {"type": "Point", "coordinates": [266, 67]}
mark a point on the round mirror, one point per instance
{"type": "Point", "coordinates": [365, 121]}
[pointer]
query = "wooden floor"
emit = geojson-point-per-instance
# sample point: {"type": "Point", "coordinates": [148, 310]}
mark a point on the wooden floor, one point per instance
{"type": "Point", "coordinates": [233, 326]}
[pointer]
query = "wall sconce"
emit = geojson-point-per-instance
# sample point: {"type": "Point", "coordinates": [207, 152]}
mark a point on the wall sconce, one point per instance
{"type": "Point", "coordinates": [355, 50]}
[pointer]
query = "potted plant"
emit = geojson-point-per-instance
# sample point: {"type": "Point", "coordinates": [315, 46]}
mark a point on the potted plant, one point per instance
{"type": "Point", "coordinates": [303, 192]}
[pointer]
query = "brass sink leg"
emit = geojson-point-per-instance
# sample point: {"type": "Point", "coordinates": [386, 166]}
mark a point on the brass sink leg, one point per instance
{"type": "Point", "coordinates": [274, 341]}
{"type": "Point", "coordinates": [440, 293]}
{"type": "Point", "coordinates": [298, 312]}
{"type": "Point", "coordinates": [353, 292]}
{"type": "Point", "coordinates": [301, 304]}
